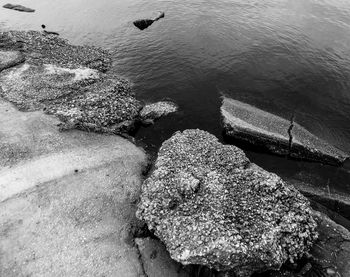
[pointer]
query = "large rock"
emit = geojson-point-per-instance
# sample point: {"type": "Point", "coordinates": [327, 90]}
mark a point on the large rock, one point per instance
{"type": "Point", "coordinates": [67, 199]}
{"type": "Point", "coordinates": [211, 206]}
{"type": "Point", "coordinates": [70, 82]}
{"type": "Point", "coordinates": [278, 135]}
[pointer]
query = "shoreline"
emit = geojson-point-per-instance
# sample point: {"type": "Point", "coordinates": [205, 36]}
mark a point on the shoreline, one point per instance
{"type": "Point", "coordinates": [67, 164]}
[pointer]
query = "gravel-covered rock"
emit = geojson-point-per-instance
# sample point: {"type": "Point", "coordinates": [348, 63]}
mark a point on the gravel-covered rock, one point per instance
{"type": "Point", "coordinates": [156, 110]}
{"type": "Point", "coordinates": [40, 48]}
{"type": "Point", "coordinates": [211, 206]}
{"type": "Point", "coordinates": [71, 82]}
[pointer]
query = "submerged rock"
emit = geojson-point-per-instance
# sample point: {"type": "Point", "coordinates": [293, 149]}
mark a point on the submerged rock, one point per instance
{"type": "Point", "coordinates": [19, 8]}
{"type": "Point", "coordinates": [275, 134]}
{"type": "Point", "coordinates": [211, 206]}
{"type": "Point", "coordinates": [68, 81]}
{"type": "Point", "coordinates": [145, 23]}
{"type": "Point", "coordinates": [156, 110]}
{"type": "Point", "coordinates": [10, 58]}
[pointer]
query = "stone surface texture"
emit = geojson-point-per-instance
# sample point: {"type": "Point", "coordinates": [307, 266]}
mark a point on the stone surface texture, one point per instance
{"type": "Point", "coordinates": [71, 82]}
{"type": "Point", "coordinates": [278, 135]}
{"type": "Point", "coordinates": [9, 59]}
{"type": "Point", "coordinates": [211, 206]}
{"type": "Point", "coordinates": [67, 199]}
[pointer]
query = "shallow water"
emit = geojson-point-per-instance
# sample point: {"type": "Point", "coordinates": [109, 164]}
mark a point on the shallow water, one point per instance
{"type": "Point", "coordinates": [286, 57]}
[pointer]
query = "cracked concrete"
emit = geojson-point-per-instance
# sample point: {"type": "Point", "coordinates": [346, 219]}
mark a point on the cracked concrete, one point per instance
{"type": "Point", "coordinates": [266, 131]}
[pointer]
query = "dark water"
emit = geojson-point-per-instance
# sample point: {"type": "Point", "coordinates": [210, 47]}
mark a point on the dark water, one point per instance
{"type": "Point", "coordinates": [284, 56]}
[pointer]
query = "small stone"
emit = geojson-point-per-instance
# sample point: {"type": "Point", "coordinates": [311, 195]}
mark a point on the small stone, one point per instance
{"type": "Point", "coordinates": [156, 110]}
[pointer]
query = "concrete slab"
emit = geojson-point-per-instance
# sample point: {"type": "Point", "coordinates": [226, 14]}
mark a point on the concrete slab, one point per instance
{"type": "Point", "coordinates": [275, 134]}
{"type": "Point", "coordinates": [67, 199]}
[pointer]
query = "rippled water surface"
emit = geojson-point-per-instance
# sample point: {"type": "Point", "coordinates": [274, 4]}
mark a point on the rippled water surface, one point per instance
{"type": "Point", "coordinates": [284, 56]}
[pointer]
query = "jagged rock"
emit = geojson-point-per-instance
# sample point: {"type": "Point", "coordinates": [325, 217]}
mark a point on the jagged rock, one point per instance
{"type": "Point", "coordinates": [70, 82]}
{"type": "Point", "coordinates": [145, 23]}
{"type": "Point", "coordinates": [10, 58]}
{"type": "Point", "coordinates": [156, 260]}
{"type": "Point", "coordinates": [156, 110]}
{"type": "Point", "coordinates": [211, 206]}
{"type": "Point", "coordinates": [275, 134]}
{"type": "Point", "coordinates": [19, 8]}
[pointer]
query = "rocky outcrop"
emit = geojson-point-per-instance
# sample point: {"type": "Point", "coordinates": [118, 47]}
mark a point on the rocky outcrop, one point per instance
{"type": "Point", "coordinates": [145, 23]}
{"type": "Point", "coordinates": [151, 112]}
{"type": "Point", "coordinates": [71, 82]}
{"type": "Point", "coordinates": [19, 8]}
{"type": "Point", "coordinates": [275, 134]}
{"type": "Point", "coordinates": [211, 206]}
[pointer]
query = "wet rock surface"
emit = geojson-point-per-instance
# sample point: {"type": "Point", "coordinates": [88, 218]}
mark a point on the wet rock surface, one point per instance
{"type": "Point", "coordinates": [331, 252]}
{"type": "Point", "coordinates": [19, 8]}
{"type": "Point", "coordinates": [335, 200]}
{"type": "Point", "coordinates": [211, 206]}
{"type": "Point", "coordinates": [151, 112]}
{"type": "Point", "coordinates": [71, 82]}
{"type": "Point", "coordinates": [275, 134]}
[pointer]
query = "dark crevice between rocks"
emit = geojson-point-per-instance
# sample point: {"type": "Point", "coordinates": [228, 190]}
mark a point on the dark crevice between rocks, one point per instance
{"type": "Point", "coordinates": [290, 134]}
{"type": "Point", "coordinates": [139, 255]}
{"type": "Point", "coordinates": [142, 231]}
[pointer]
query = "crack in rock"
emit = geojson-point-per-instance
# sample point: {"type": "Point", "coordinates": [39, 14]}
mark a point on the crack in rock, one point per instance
{"type": "Point", "coordinates": [139, 255]}
{"type": "Point", "coordinates": [290, 134]}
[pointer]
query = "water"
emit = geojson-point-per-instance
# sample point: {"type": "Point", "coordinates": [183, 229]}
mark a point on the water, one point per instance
{"type": "Point", "coordinates": [280, 55]}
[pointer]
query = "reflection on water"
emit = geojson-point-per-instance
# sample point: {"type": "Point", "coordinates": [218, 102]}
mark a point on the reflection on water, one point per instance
{"type": "Point", "coordinates": [282, 56]}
